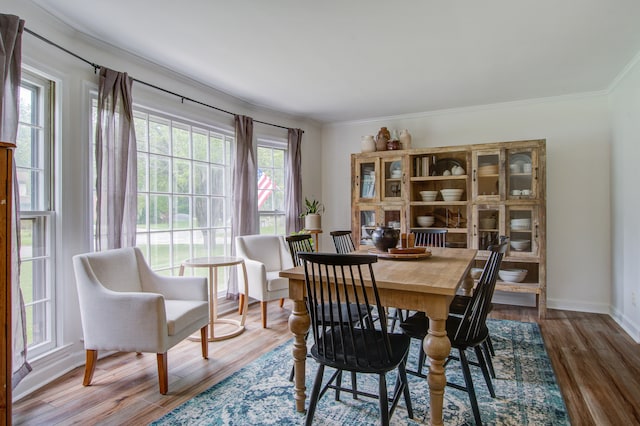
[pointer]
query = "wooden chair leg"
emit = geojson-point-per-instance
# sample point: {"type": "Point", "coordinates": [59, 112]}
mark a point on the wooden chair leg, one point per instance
{"type": "Point", "coordinates": [90, 366]}
{"type": "Point", "coordinates": [281, 302]}
{"type": "Point", "coordinates": [163, 376]}
{"type": "Point", "coordinates": [204, 341]}
{"type": "Point", "coordinates": [240, 304]}
{"type": "Point", "coordinates": [263, 308]}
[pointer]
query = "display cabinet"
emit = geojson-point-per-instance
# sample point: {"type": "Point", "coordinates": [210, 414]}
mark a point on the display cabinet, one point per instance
{"type": "Point", "coordinates": [476, 192]}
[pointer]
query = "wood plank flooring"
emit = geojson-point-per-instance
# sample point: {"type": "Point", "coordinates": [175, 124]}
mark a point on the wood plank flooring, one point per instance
{"type": "Point", "coordinates": [597, 366]}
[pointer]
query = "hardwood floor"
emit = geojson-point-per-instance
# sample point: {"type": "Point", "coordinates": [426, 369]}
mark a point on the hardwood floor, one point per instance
{"type": "Point", "coordinates": [597, 366]}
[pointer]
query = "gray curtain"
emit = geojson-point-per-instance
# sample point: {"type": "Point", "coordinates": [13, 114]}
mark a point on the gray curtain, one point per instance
{"type": "Point", "coordinates": [293, 181]}
{"type": "Point", "coordinates": [245, 190]}
{"type": "Point", "coordinates": [11, 28]}
{"type": "Point", "coordinates": [116, 163]}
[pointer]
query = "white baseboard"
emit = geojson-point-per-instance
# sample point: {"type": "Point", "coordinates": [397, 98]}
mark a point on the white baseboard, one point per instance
{"type": "Point", "coordinates": [627, 325]}
{"type": "Point", "coordinates": [579, 306]}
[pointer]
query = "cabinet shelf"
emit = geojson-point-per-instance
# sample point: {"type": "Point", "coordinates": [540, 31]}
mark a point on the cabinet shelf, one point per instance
{"type": "Point", "coordinates": [436, 178]}
{"type": "Point", "coordinates": [490, 179]}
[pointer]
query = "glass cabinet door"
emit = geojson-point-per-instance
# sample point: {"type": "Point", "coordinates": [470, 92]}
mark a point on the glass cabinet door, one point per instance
{"type": "Point", "coordinates": [522, 172]}
{"type": "Point", "coordinates": [367, 179]}
{"type": "Point", "coordinates": [486, 175]}
{"type": "Point", "coordinates": [393, 217]}
{"type": "Point", "coordinates": [368, 219]}
{"type": "Point", "coordinates": [522, 225]}
{"type": "Point", "coordinates": [393, 177]}
{"type": "Point", "coordinates": [487, 225]}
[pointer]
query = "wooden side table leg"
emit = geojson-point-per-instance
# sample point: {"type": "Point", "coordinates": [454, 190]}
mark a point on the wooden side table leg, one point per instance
{"type": "Point", "coordinates": [437, 347]}
{"type": "Point", "coordinates": [213, 299]}
{"type": "Point", "coordinates": [299, 324]}
{"type": "Point", "coordinates": [245, 303]}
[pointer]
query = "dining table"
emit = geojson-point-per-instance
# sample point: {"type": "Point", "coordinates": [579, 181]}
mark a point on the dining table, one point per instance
{"type": "Point", "coordinates": [425, 284]}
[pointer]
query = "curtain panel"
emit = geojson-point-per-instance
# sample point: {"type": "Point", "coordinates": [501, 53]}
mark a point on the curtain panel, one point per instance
{"type": "Point", "coordinates": [293, 181]}
{"type": "Point", "coordinates": [11, 30]}
{"type": "Point", "coordinates": [245, 190]}
{"type": "Point", "coordinates": [116, 163]}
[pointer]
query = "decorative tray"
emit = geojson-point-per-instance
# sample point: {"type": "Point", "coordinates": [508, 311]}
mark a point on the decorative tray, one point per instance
{"type": "Point", "coordinates": [400, 256]}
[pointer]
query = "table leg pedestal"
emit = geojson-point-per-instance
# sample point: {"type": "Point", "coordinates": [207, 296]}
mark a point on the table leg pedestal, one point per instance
{"type": "Point", "coordinates": [437, 347]}
{"type": "Point", "coordinates": [299, 325]}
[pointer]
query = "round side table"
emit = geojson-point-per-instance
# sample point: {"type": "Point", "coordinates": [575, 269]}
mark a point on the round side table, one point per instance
{"type": "Point", "coordinates": [213, 263]}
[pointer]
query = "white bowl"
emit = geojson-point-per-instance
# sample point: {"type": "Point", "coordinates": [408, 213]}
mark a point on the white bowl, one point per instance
{"type": "Point", "coordinates": [475, 273]}
{"type": "Point", "coordinates": [451, 194]}
{"type": "Point", "coordinates": [512, 275]}
{"type": "Point", "coordinates": [425, 221]}
{"type": "Point", "coordinates": [488, 223]}
{"type": "Point", "coordinates": [520, 245]}
{"type": "Point", "coordinates": [521, 222]}
{"type": "Point", "coordinates": [428, 195]}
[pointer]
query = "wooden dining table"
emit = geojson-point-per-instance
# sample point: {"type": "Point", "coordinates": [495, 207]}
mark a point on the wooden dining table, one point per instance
{"type": "Point", "coordinates": [427, 284]}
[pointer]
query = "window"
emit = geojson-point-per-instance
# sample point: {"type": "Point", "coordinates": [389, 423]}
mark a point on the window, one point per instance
{"type": "Point", "coordinates": [184, 195]}
{"type": "Point", "coordinates": [35, 182]}
{"type": "Point", "coordinates": [271, 186]}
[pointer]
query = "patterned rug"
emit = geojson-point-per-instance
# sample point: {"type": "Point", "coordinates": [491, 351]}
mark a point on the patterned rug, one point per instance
{"type": "Point", "coordinates": [260, 393]}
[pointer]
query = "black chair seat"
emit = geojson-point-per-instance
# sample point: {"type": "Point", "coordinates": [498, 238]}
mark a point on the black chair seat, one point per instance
{"type": "Point", "coordinates": [356, 354]}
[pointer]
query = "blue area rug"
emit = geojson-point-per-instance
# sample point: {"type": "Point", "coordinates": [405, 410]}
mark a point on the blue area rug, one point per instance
{"type": "Point", "coordinates": [260, 393]}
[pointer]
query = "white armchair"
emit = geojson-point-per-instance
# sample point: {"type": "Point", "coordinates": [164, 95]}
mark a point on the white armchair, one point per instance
{"type": "Point", "coordinates": [127, 307]}
{"type": "Point", "coordinates": [265, 256]}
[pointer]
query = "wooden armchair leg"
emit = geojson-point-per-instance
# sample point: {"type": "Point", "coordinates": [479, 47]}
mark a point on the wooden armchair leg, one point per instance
{"type": "Point", "coordinates": [90, 366]}
{"type": "Point", "coordinates": [281, 302]}
{"type": "Point", "coordinates": [204, 341]}
{"type": "Point", "coordinates": [163, 376]}
{"type": "Point", "coordinates": [240, 303]}
{"type": "Point", "coordinates": [263, 308]}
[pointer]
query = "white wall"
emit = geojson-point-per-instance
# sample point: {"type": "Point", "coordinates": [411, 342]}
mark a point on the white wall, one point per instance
{"type": "Point", "coordinates": [625, 199]}
{"type": "Point", "coordinates": [578, 179]}
{"type": "Point", "coordinates": [74, 80]}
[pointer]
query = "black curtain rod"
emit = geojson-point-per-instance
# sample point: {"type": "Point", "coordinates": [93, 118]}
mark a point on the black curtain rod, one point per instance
{"type": "Point", "coordinates": [183, 98]}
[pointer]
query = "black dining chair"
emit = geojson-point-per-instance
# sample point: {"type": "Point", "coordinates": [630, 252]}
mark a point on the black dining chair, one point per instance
{"type": "Point", "coordinates": [430, 237]}
{"type": "Point", "coordinates": [343, 241]}
{"type": "Point", "coordinates": [469, 330]}
{"type": "Point", "coordinates": [299, 243]}
{"type": "Point", "coordinates": [347, 344]}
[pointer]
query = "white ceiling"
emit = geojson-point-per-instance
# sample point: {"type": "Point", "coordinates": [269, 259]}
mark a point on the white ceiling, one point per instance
{"type": "Point", "coordinates": [337, 60]}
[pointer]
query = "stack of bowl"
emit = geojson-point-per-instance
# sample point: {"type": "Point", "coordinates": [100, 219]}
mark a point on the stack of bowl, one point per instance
{"type": "Point", "coordinates": [475, 273]}
{"type": "Point", "coordinates": [520, 245]}
{"type": "Point", "coordinates": [512, 275]}
{"type": "Point", "coordinates": [451, 194]}
{"type": "Point", "coordinates": [488, 169]}
{"type": "Point", "coordinates": [428, 195]}
{"type": "Point", "coordinates": [520, 224]}
{"type": "Point", "coordinates": [425, 221]}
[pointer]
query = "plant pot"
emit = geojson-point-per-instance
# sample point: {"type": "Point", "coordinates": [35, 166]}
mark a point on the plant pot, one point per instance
{"type": "Point", "coordinates": [312, 222]}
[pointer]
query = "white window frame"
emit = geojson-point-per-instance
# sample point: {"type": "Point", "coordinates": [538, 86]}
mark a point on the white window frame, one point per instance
{"type": "Point", "coordinates": [277, 216]}
{"type": "Point", "coordinates": [42, 219]}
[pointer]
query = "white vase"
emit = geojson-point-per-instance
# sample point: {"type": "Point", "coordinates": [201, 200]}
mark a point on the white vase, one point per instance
{"type": "Point", "coordinates": [405, 139]}
{"type": "Point", "coordinates": [312, 222]}
{"type": "Point", "coordinates": [368, 144]}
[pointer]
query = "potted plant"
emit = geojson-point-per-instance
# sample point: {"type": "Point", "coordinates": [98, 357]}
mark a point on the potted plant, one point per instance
{"type": "Point", "coordinates": [313, 209]}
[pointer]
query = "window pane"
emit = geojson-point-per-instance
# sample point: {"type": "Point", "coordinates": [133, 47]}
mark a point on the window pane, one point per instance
{"type": "Point", "coordinates": [200, 145]}
{"type": "Point", "coordinates": [201, 211]}
{"type": "Point", "coordinates": [159, 212]}
{"type": "Point", "coordinates": [181, 213]}
{"type": "Point", "coordinates": [142, 135]}
{"type": "Point", "coordinates": [200, 172]}
{"type": "Point", "coordinates": [159, 135]}
{"type": "Point", "coordinates": [181, 146]}
{"type": "Point", "coordinates": [159, 250]}
{"type": "Point", "coordinates": [181, 245]}
{"type": "Point", "coordinates": [217, 212]}
{"type": "Point", "coordinates": [141, 221]}
{"type": "Point", "coordinates": [217, 149]}
{"type": "Point", "coordinates": [217, 180]}
{"type": "Point", "coordinates": [159, 173]}
{"type": "Point", "coordinates": [181, 176]}
{"type": "Point", "coordinates": [143, 160]}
